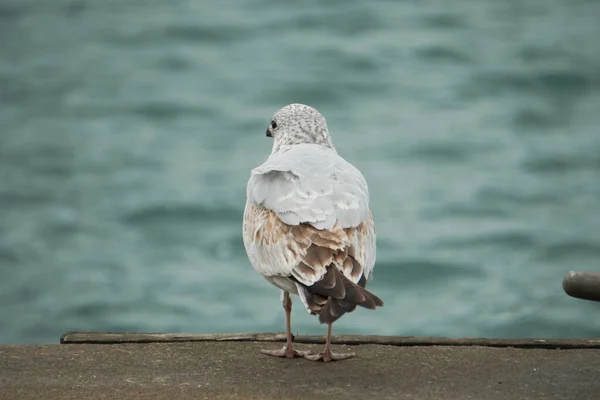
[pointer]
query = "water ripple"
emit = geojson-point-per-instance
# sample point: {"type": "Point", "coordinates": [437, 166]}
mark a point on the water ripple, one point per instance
{"type": "Point", "coordinates": [443, 54]}
{"type": "Point", "coordinates": [194, 34]}
{"type": "Point", "coordinates": [514, 240]}
{"type": "Point", "coordinates": [445, 21]}
{"type": "Point", "coordinates": [570, 250]}
{"type": "Point", "coordinates": [177, 213]}
{"type": "Point", "coordinates": [559, 164]}
{"type": "Point", "coordinates": [426, 271]}
{"type": "Point", "coordinates": [554, 83]}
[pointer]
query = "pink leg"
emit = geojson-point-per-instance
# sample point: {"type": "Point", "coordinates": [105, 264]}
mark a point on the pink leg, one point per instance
{"type": "Point", "coordinates": [288, 349]}
{"type": "Point", "coordinates": [327, 355]}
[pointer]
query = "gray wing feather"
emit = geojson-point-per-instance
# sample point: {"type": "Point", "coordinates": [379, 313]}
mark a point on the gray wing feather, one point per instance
{"type": "Point", "coordinates": [311, 184]}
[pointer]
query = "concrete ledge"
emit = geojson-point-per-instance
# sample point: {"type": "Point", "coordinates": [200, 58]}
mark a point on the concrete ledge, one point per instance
{"type": "Point", "coordinates": [171, 366]}
{"type": "Point", "coordinates": [121, 337]}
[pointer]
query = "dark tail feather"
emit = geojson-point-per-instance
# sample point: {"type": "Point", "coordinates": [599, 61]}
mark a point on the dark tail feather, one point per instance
{"type": "Point", "coordinates": [335, 295]}
{"type": "Point", "coordinates": [314, 301]}
{"type": "Point", "coordinates": [331, 285]}
{"type": "Point", "coordinates": [333, 310]}
{"type": "Point", "coordinates": [354, 295]}
{"type": "Point", "coordinates": [362, 283]}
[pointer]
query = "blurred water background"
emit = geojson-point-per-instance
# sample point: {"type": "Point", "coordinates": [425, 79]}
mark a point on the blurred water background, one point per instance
{"type": "Point", "coordinates": [128, 129]}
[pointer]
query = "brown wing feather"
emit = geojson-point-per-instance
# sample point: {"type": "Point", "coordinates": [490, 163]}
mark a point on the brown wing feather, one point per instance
{"type": "Point", "coordinates": [322, 262]}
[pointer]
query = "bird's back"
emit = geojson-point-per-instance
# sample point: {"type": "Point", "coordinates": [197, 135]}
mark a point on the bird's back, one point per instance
{"type": "Point", "coordinates": [311, 184]}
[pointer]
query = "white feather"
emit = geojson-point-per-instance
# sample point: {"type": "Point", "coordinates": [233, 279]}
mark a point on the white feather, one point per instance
{"type": "Point", "coordinates": [310, 184]}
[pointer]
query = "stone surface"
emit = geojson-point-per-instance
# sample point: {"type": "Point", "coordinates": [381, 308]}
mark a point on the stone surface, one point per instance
{"type": "Point", "coordinates": [234, 369]}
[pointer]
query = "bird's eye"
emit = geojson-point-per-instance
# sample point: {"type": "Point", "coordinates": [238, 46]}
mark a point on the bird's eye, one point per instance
{"type": "Point", "coordinates": [273, 124]}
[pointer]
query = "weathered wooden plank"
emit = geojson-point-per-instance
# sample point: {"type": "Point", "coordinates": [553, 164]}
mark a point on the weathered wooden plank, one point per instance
{"type": "Point", "coordinates": [583, 285]}
{"type": "Point", "coordinates": [113, 338]}
{"type": "Point", "coordinates": [134, 337]}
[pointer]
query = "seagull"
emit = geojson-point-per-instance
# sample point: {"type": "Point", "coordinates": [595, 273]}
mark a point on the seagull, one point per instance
{"type": "Point", "coordinates": [307, 228]}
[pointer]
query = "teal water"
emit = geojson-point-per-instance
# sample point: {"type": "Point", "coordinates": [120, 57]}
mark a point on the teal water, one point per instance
{"type": "Point", "coordinates": [128, 130]}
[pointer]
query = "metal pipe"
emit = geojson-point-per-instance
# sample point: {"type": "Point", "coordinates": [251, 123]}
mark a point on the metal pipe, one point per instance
{"type": "Point", "coordinates": [583, 285]}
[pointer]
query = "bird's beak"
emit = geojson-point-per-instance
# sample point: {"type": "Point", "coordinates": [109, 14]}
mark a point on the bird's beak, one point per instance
{"type": "Point", "coordinates": [269, 132]}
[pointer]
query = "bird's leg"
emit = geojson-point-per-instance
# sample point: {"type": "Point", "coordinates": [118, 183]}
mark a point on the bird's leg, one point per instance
{"type": "Point", "coordinates": [327, 355]}
{"type": "Point", "coordinates": [288, 349]}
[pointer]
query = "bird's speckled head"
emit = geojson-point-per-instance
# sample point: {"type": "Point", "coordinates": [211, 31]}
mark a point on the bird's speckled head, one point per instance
{"type": "Point", "coordinates": [298, 123]}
